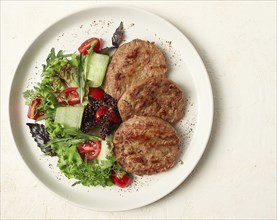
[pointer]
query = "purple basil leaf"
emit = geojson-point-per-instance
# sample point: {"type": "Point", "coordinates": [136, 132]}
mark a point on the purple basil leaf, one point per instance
{"type": "Point", "coordinates": [106, 50]}
{"type": "Point", "coordinates": [41, 137]}
{"type": "Point", "coordinates": [118, 35]}
{"type": "Point", "coordinates": [117, 38]}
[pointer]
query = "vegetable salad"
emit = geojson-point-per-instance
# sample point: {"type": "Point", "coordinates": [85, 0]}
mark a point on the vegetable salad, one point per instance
{"type": "Point", "coordinates": [74, 119]}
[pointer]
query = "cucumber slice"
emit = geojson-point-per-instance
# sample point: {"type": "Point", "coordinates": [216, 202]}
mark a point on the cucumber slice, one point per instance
{"type": "Point", "coordinates": [70, 116]}
{"type": "Point", "coordinates": [96, 68]}
{"type": "Point", "coordinates": [106, 150]}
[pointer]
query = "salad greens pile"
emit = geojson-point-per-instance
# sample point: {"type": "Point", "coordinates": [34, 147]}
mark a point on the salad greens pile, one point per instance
{"type": "Point", "coordinates": [60, 73]}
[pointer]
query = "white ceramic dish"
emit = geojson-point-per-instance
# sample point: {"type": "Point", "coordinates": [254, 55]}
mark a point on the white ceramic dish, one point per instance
{"type": "Point", "coordinates": [185, 68]}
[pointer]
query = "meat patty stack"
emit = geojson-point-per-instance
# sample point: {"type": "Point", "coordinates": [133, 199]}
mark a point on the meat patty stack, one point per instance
{"type": "Point", "coordinates": [145, 143]}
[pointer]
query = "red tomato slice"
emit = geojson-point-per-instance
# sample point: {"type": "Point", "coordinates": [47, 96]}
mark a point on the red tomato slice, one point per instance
{"type": "Point", "coordinates": [104, 110]}
{"type": "Point", "coordinates": [122, 182]}
{"type": "Point", "coordinates": [69, 96]}
{"type": "Point", "coordinates": [96, 93]}
{"type": "Point", "coordinates": [113, 117]}
{"type": "Point", "coordinates": [32, 112]}
{"type": "Point", "coordinates": [90, 149]}
{"type": "Point", "coordinates": [85, 45]}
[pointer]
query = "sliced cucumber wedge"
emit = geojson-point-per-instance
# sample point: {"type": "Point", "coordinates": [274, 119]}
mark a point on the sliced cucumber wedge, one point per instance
{"type": "Point", "coordinates": [70, 116]}
{"type": "Point", "coordinates": [96, 68]}
{"type": "Point", "coordinates": [106, 150]}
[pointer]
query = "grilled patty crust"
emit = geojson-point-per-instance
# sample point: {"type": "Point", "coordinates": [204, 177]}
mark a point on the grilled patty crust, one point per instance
{"type": "Point", "coordinates": [131, 63]}
{"type": "Point", "coordinates": [146, 145]}
{"type": "Point", "coordinates": [158, 97]}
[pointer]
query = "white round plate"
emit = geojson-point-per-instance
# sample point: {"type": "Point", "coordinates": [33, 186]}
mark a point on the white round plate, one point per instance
{"type": "Point", "coordinates": [185, 68]}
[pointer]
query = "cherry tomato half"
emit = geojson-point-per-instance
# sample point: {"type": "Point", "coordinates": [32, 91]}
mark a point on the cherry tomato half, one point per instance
{"type": "Point", "coordinates": [69, 96]}
{"type": "Point", "coordinates": [104, 110]}
{"type": "Point", "coordinates": [85, 45]}
{"type": "Point", "coordinates": [123, 181]}
{"type": "Point", "coordinates": [90, 149]}
{"type": "Point", "coordinates": [96, 93]}
{"type": "Point", "coordinates": [32, 111]}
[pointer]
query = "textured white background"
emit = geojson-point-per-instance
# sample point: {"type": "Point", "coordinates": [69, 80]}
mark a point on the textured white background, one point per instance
{"type": "Point", "coordinates": [236, 177]}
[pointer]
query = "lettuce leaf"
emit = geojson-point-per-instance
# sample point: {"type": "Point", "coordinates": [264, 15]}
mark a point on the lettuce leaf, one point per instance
{"type": "Point", "coordinates": [60, 70]}
{"type": "Point", "coordinates": [63, 142]}
{"type": "Point", "coordinates": [81, 78]}
{"type": "Point", "coordinates": [88, 173]}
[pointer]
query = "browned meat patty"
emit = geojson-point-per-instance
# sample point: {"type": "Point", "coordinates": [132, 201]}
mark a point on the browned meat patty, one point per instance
{"type": "Point", "coordinates": [131, 63]}
{"type": "Point", "coordinates": [158, 97]}
{"type": "Point", "coordinates": [146, 145]}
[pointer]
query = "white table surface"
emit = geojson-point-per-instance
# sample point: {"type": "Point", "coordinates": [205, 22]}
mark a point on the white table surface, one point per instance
{"type": "Point", "coordinates": [236, 177]}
